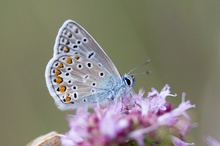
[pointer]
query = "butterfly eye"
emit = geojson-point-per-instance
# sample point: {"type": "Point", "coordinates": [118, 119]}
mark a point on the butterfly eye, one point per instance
{"type": "Point", "coordinates": [128, 80]}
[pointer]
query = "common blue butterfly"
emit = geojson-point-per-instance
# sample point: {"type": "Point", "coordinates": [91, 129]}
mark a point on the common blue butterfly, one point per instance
{"type": "Point", "coordinates": [80, 74]}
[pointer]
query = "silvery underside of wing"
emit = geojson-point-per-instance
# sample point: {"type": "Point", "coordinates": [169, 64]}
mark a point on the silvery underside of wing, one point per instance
{"type": "Point", "coordinates": [74, 39]}
{"type": "Point", "coordinates": [75, 81]}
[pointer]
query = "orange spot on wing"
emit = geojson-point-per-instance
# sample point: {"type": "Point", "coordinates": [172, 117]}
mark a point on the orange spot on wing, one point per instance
{"type": "Point", "coordinates": [67, 98]}
{"type": "Point", "coordinates": [59, 80]}
{"type": "Point", "coordinates": [66, 50]}
{"type": "Point", "coordinates": [67, 42]}
{"type": "Point", "coordinates": [76, 57]}
{"type": "Point", "coordinates": [62, 89]}
{"type": "Point", "coordinates": [70, 35]}
{"type": "Point", "coordinates": [69, 60]}
{"type": "Point", "coordinates": [60, 65]}
{"type": "Point", "coordinates": [57, 72]}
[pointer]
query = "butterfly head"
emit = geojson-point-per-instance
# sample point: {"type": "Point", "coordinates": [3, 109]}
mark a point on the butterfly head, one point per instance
{"type": "Point", "coordinates": [128, 80]}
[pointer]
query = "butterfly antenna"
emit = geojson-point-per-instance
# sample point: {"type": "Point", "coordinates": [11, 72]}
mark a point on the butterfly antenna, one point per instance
{"type": "Point", "coordinates": [139, 66]}
{"type": "Point", "coordinates": [142, 73]}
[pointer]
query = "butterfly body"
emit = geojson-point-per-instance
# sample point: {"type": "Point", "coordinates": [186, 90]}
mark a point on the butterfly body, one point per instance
{"type": "Point", "coordinates": [80, 73]}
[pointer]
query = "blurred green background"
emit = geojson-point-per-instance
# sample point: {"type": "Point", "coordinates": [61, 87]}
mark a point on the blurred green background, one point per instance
{"type": "Point", "coordinates": [182, 39]}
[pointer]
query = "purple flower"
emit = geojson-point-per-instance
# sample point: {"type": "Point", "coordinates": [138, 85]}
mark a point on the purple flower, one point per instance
{"type": "Point", "coordinates": [135, 119]}
{"type": "Point", "coordinates": [212, 142]}
{"type": "Point", "coordinates": [177, 142]}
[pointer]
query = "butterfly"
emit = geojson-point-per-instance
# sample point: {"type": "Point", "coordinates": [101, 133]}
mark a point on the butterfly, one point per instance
{"type": "Point", "coordinates": [80, 74]}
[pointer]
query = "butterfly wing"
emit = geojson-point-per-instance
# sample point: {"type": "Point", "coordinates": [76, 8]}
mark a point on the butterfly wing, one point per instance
{"type": "Point", "coordinates": [73, 38]}
{"type": "Point", "coordinates": [80, 73]}
{"type": "Point", "coordinates": [75, 81]}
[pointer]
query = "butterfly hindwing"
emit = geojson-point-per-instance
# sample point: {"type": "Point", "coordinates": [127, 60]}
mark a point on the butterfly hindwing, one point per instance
{"type": "Point", "coordinates": [74, 80]}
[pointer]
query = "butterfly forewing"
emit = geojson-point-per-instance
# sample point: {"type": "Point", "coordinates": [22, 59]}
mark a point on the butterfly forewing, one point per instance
{"type": "Point", "coordinates": [74, 39]}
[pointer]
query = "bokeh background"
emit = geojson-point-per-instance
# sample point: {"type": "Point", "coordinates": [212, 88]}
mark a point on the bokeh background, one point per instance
{"type": "Point", "coordinates": [182, 39]}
